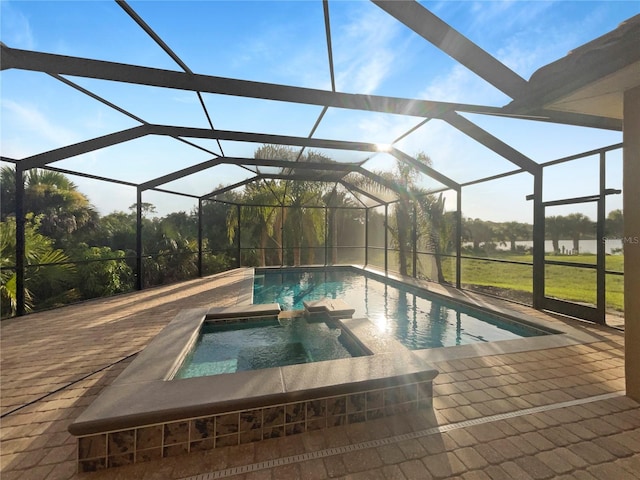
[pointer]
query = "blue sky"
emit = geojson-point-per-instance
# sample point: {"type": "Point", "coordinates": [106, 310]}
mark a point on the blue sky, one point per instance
{"type": "Point", "coordinates": [284, 42]}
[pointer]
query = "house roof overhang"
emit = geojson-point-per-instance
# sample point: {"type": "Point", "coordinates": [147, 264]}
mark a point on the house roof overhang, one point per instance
{"type": "Point", "coordinates": [590, 79]}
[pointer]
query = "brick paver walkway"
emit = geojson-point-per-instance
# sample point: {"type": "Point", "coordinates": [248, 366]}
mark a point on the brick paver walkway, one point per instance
{"type": "Point", "coordinates": [55, 363]}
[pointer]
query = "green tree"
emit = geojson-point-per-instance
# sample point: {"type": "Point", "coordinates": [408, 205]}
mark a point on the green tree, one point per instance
{"type": "Point", "coordinates": [514, 231]}
{"type": "Point", "coordinates": [399, 184]}
{"type": "Point", "coordinates": [215, 218]}
{"type": "Point", "coordinates": [218, 253]}
{"type": "Point", "coordinates": [49, 279]}
{"type": "Point", "coordinates": [257, 217]}
{"type": "Point", "coordinates": [117, 230]}
{"type": "Point", "coordinates": [283, 214]}
{"type": "Point", "coordinates": [406, 176]}
{"type": "Point", "coordinates": [169, 254]}
{"type": "Point", "coordinates": [304, 224]}
{"type": "Point", "coordinates": [147, 209]}
{"type": "Point", "coordinates": [578, 224]}
{"type": "Point", "coordinates": [341, 219]}
{"type": "Point", "coordinates": [479, 232]}
{"type": "Point", "coordinates": [614, 224]}
{"type": "Point", "coordinates": [555, 227]}
{"type": "Point", "coordinates": [65, 213]}
{"type": "Point", "coordinates": [435, 228]}
{"type": "Point", "coordinates": [102, 271]}
{"type": "Point", "coordinates": [430, 212]}
{"type": "Point", "coordinates": [7, 192]}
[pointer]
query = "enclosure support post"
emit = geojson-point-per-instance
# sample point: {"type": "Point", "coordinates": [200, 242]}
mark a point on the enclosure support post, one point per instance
{"type": "Point", "coordinates": [239, 251]}
{"type": "Point", "coordinates": [20, 241]}
{"type": "Point", "coordinates": [386, 238]}
{"type": "Point", "coordinates": [282, 235]}
{"type": "Point", "coordinates": [414, 241]}
{"type": "Point", "coordinates": [366, 237]}
{"type": "Point", "coordinates": [199, 237]}
{"type": "Point", "coordinates": [459, 238]}
{"type": "Point", "coordinates": [600, 246]}
{"type": "Point", "coordinates": [326, 237]}
{"type": "Point", "coordinates": [631, 239]}
{"type": "Point", "coordinates": [538, 241]}
{"type": "Point", "coordinates": [139, 271]}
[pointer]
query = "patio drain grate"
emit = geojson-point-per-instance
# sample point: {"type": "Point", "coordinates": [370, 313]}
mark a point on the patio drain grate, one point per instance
{"type": "Point", "coordinates": [328, 452]}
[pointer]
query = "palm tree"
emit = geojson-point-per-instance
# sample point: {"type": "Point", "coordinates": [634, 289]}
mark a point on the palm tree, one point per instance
{"type": "Point", "coordinates": [7, 192]}
{"type": "Point", "coordinates": [577, 224]}
{"type": "Point", "coordinates": [304, 223]}
{"type": "Point", "coordinates": [437, 233]}
{"type": "Point", "coordinates": [64, 208]}
{"type": "Point", "coordinates": [47, 276]}
{"type": "Point", "coordinates": [430, 212]}
{"type": "Point", "coordinates": [218, 252]}
{"type": "Point", "coordinates": [300, 224]}
{"type": "Point", "coordinates": [514, 231]}
{"type": "Point", "coordinates": [177, 245]}
{"type": "Point", "coordinates": [479, 231]}
{"type": "Point", "coordinates": [555, 227]}
{"type": "Point", "coordinates": [614, 224]}
{"type": "Point", "coordinates": [400, 227]}
{"type": "Point", "coordinates": [403, 212]}
{"type": "Point", "coordinates": [335, 200]}
{"type": "Point", "coordinates": [257, 216]}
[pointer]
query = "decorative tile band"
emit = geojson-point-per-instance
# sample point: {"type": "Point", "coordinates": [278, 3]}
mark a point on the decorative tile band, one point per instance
{"type": "Point", "coordinates": [151, 442]}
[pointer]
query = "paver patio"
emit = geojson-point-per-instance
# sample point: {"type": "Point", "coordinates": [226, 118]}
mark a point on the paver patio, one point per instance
{"type": "Point", "coordinates": [553, 413]}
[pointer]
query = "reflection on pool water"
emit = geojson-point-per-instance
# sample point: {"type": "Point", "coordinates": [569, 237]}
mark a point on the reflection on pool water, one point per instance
{"type": "Point", "coordinates": [240, 346]}
{"type": "Point", "coordinates": [415, 319]}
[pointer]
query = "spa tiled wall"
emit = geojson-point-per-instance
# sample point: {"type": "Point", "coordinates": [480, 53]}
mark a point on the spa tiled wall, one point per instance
{"type": "Point", "coordinates": [145, 443]}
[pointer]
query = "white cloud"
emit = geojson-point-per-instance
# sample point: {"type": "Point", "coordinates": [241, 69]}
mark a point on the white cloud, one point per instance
{"type": "Point", "coordinates": [495, 18]}
{"type": "Point", "coordinates": [16, 29]}
{"type": "Point", "coordinates": [526, 35]}
{"type": "Point", "coordinates": [365, 50]}
{"type": "Point", "coordinates": [15, 148]}
{"type": "Point", "coordinates": [385, 127]}
{"type": "Point", "coordinates": [32, 122]}
{"type": "Point", "coordinates": [459, 84]}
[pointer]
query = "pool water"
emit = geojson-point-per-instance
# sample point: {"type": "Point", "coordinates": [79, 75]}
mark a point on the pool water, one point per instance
{"type": "Point", "coordinates": [239, 346]}
{"type": "Point", "coordinates": [413, 318]}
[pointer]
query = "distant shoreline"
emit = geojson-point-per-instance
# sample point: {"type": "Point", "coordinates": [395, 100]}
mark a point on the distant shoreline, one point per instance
{"type": "Point", "coordinates": [586, 246]}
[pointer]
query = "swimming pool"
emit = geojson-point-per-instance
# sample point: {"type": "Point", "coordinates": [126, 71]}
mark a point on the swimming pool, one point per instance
{"type": "Point", "coordinates": [241, 346]}
{"type": "Point", "coordinates": [416, 320]}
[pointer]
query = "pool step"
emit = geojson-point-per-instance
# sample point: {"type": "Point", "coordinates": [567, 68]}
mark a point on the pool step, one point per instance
{"type": "Point", "coordinates": [239, 311]}
{"type": "Point", "coordinates": [333, 307]}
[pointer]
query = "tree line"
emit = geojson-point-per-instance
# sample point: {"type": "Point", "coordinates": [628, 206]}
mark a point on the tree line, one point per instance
{"type": "Point", "coordinates": [486, 235]}
{"type": "Point", "coordinates": [74, 253]}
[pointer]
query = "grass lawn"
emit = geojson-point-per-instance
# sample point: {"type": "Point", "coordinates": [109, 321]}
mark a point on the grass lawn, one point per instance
{"type": "Point", "coordinates": [567, 283]}
{"type": "Point", "coordinates": [514, 281]}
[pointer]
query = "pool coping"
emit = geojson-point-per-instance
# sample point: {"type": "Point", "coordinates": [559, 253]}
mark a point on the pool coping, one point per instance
{"type": "Point", "coordinates": [144, 393]}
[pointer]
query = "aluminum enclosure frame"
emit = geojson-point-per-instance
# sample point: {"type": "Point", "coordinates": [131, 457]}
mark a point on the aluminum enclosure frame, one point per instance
{"type": "Point", "coordinates": [410, 13]}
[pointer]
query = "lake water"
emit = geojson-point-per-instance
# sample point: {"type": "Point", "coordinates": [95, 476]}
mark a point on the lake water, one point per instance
{"type": "Point", "coordinates": [586, 246]}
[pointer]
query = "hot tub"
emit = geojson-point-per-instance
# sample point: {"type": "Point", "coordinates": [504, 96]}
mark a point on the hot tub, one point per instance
{"type": "Point", "coordinates": [147, 413]}
{"type": "Point", "coordinates": [248, 344]}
